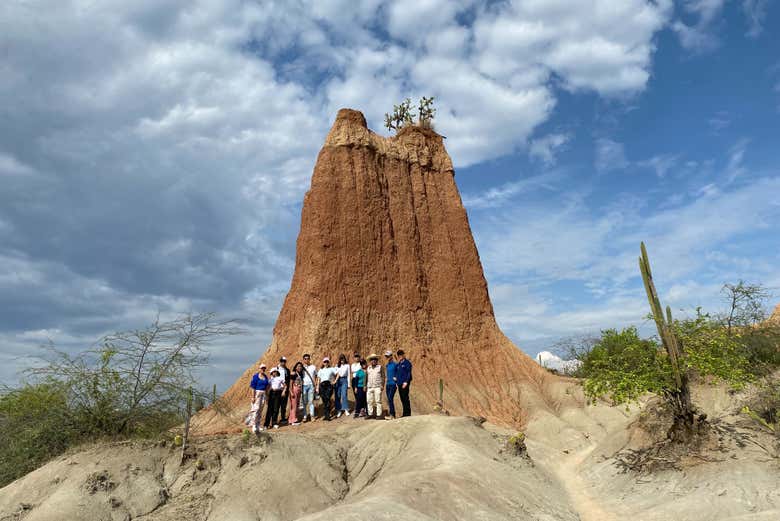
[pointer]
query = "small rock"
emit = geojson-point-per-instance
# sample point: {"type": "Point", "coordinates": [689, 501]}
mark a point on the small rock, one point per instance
{"type": "Point", "coordinates": [722, 492]}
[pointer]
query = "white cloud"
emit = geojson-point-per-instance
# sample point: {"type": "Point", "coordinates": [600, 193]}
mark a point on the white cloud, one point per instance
{"type": "Point", "coordinates": [755, 13]}
{"type": "Point", "coordinates": [170, 142]}
{"type": "Point", "coordinates": [699, 36]}
{"type": "Point", "coordinates": [545, 148]}
{"type": "Point", "coordinates": [610, 155]}
{"type": "Point", "coordinates": [661, 164]}
{"type": "Point", "coordinates": [9, 166]}
{"type": "Point", "coordinates": [552, 361]}
{"type": "Point", "coordinates": [498, 196]}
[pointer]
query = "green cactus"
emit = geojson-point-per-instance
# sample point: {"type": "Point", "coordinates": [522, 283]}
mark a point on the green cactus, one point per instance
{"type": "Point", "coordinates": [426, 111]}
{"type": "Point", "coordinates": [441, 391]}
{"type": "Point", "coordinates": [680, 397]}
{"type": "Point", "coordinates": [402, 115]}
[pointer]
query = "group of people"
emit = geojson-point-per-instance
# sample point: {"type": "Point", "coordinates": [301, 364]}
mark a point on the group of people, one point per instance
{"type": "Point", "coordinates": [289, 396]}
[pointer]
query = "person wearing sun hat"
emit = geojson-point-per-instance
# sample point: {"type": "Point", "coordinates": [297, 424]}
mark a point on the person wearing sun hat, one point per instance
{"type": "Point", "coordinates": [325, 378]}
{"type": "Point", "coordinates": [390, 385]}
{"type": "Point", "coordinates": [274, 399]}
{"type": "Point", "coordinates": [259, 384]}
{"type": "Point", "coordinates": [375, 384]}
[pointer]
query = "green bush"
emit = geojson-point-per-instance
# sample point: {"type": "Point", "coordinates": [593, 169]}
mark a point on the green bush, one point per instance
{"type": "Point", "coordinates": [624, 366]}
{"type": "Point", "coordinates": [136, 383]}
{"type": "Point", "coordinates": [35, 425]}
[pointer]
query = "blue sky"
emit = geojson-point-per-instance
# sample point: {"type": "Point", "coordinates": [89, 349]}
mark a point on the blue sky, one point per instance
{"type": "Point", "coordinates": [154, 154]}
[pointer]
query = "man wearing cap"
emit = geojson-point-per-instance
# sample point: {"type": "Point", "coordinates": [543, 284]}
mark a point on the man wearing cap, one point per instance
{"type": "Point", "coordinates": [390, 385]}
{"type": "Point", "coordinates": [259, 384]}
{"type": "Point", "coordinates": [374, 386]}
{"type": "Point", "coordinates": [284, 372]}
{"type": "Point", "coordinates": [403, 377]}
{"type": "Point", "coordinates": [276, 387]}
{"type": "Point", "coordinates": [325, 378]}
{"type": "Point", "coordinates": [309, 377]}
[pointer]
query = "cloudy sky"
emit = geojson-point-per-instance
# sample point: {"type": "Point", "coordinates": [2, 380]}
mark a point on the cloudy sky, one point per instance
{"type": "Point", "coordinates": [154, 153]}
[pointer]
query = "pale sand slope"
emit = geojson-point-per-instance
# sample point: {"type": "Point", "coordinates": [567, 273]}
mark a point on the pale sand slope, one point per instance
{"type": "Point", "coordinates": [424, 467]}
{"type": "Point", "coordinates": [577, 447]}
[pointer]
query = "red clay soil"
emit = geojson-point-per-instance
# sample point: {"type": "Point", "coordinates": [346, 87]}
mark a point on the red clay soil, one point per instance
{"type": "Point", "coordinates": [385, 260]}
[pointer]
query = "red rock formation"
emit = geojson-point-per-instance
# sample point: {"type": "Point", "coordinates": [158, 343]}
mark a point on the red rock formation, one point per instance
{"type": "Point", "coordinates": [385, 260]}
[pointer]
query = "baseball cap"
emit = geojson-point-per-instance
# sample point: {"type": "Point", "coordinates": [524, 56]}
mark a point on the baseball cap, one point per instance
{"type": "Point", "coordinates": [326, 359]}
{"type": "Point", "coordinates": [388, 353]}
{"type": "Point", "coordinates": [263, 366]}
{"type": "Point", "coordinates": [283, 359]}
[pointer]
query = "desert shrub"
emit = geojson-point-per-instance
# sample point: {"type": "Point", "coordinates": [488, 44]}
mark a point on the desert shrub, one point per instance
{"type": "Point", "coordinates": [624, 366]}
{"type": "Point", "coordinates": [35, 425]}
{"type": "Point", "coordinates": [761, 345]}
{"type": "Point", "coordinates": [710, 350]}
{"type": "Point", "coordinates": [745, 318]}
{"type": "Point", "coordinates": [135, 383]}
{"type": "Point", "coordinates": [764, 405]}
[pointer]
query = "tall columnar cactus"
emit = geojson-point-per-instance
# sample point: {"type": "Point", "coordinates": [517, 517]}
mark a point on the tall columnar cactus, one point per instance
{"type": "Point", "coordinates": [441, 391]}
{"type": "Point", "coordinates": [680, 397]}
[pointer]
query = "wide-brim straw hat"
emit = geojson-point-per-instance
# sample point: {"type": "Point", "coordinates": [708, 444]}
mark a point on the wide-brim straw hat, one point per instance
{"type": "Point", "coordinates": [373, 356]}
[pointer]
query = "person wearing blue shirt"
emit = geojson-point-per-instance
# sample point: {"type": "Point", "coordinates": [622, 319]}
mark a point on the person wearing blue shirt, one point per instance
{"type": "Point", "coordinates": [403, 378]}
{"type": "Point", "coordinates": [259, 384]}
{"type": "Point", "coordinates": [390, 385]}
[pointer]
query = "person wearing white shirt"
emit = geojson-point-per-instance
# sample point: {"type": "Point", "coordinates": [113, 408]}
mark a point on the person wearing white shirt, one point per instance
{"type": "Point", "coordinates": [326, 376]}
{"type": "Point", "coordinates": [309, 377]}
{"type": "Point", "coordinates": [342, 385]}
{"type": "Point", "coordinates": [353, 369]}
{"type": "Point", "coordinates": [284, 372]}
{"type": "Point", "coordinates": [276, 386]}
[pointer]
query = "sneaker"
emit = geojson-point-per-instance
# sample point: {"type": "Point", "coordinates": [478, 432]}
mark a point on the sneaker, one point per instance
{"type": "Point", "coordinates": [296, 423]}
{"type": "Point", "coordinates": [276, 426]}
{"type": "Point", "coordinates": [348, 413]}
{"type": "Point", "coordinates": [254, 429]}
{"type": "Point", "coordinates": [338, 415]}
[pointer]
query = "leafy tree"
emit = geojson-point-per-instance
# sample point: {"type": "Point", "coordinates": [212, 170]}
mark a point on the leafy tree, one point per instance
{"type": "Point", "coordinates": [624, 366]}
{"type": "Point", "coordinates": [135, 383]}
{"type": "Point", "coordinates": [746, 304]}
{"type": "Point", "coordinates": [746, 318]}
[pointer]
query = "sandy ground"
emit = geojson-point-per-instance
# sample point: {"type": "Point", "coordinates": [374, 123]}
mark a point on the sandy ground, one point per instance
{"type": "Point", "coordinates": [420, 468]}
